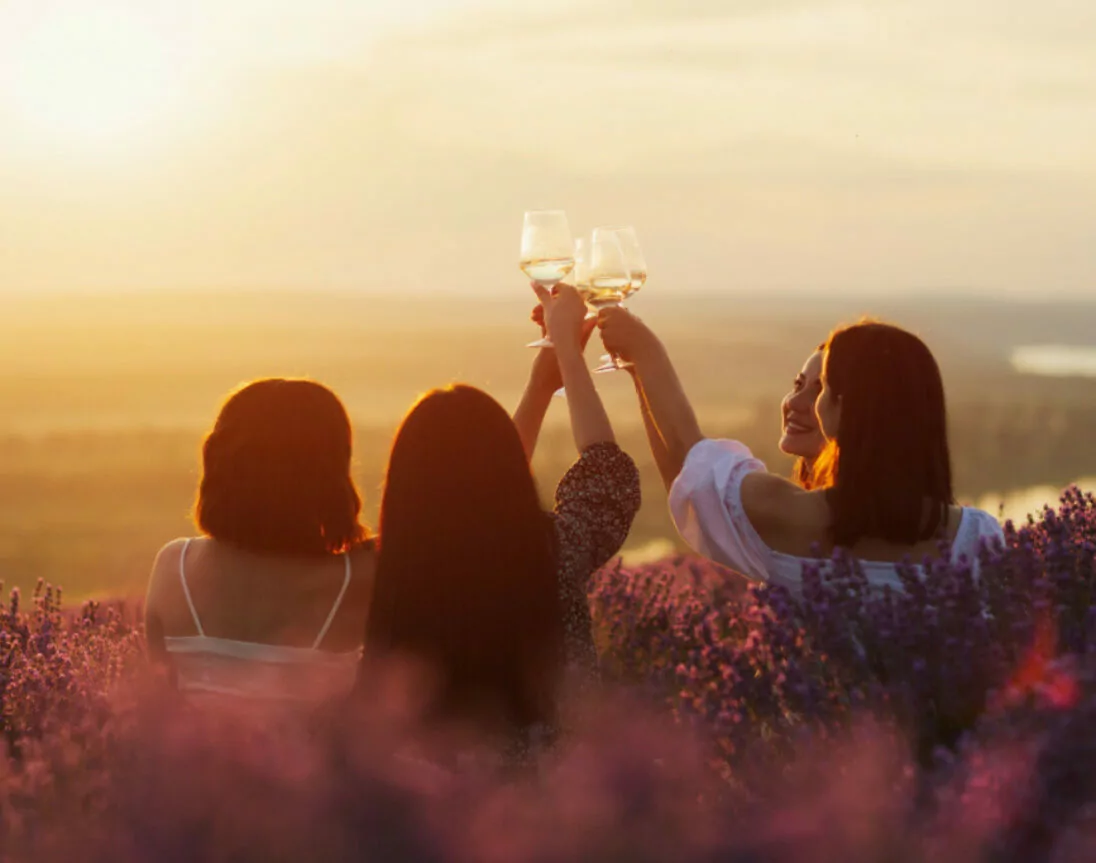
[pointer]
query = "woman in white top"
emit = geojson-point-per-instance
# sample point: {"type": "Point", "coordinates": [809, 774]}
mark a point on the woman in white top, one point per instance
{"type": "Point", "coordinates": [270, 603]}
{"type": "Point", "coordinates": [886, 466]}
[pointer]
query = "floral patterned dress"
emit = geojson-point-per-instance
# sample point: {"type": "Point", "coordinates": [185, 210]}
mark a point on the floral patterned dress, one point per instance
{"type": "Point", "coordinates": [596, 501]}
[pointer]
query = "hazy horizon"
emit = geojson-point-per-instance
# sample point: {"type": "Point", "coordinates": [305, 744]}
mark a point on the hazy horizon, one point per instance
{"type": "Point", "coordinates": [830, 147]}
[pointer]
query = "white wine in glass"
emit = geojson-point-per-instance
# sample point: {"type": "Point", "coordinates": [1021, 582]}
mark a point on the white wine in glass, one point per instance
{"type": "Point", "coordinates": [608, 277]}
{"type": "Point", "coordinates": [633, 257]}
{"type": "Point", "coordinates": [637, 268]}
{"type": "Point", "coordinates": [547, 252]}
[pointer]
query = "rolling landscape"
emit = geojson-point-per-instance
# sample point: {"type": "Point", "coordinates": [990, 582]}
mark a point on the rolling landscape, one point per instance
{"type": "Point", "coordinates": [106, 398]}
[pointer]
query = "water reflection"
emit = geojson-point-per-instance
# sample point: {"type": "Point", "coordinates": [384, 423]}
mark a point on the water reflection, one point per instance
{"type": "Point", "coordinates": [1017, 505]}
{"type": "Point", "coordinates": [1055, 360]}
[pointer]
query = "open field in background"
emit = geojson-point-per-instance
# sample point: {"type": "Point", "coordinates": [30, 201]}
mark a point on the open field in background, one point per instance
{"type": "Point", "coordinates": [103, 400]}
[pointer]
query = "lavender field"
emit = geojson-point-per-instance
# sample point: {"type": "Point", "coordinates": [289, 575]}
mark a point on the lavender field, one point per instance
{"type": "Point", "coordinates": [951, 722]}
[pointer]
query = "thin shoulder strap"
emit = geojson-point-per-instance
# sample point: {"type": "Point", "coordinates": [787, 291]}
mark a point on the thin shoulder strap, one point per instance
{"type": "Point", "coordinates": [338, 602]}
{"type": "Point", "coordinates": [186, 589]}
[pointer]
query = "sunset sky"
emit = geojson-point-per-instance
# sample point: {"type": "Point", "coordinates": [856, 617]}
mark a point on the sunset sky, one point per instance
{"type": "Point", "coordinates": [392, 145]}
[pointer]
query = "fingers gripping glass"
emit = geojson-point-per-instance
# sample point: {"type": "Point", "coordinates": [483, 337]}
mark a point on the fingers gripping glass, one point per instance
{"type": "Point", "coordinates": [637, 269]}
{"type": "Point", "coordinates": [547, 252]}
{"type": "Point", "coordinates": [620, 272]}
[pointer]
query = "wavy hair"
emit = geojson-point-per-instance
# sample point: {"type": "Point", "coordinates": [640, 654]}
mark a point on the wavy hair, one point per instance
{"type": "Point", "coordinates": [276, 471]}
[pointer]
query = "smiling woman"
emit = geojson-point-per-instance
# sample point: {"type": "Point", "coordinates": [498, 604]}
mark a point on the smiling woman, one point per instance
{"type": "Point", "coordinates": [83, 76]}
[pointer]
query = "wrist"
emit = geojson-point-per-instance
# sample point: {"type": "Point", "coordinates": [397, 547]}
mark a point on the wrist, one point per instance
{"type": "Point", "coordinates": [568, 345]}
{"type": "Point", "coordinates": [543, 380]}
{"type": "Point", "coordinates": [647, 349]}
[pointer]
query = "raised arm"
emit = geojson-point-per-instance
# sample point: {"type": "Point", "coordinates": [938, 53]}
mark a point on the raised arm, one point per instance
{"type": "Point", "coordinates": [669, 408]}
{"type": "Point", "coordinates": [654, 436]}
{"type": "Point", "coordinates": [544, 380]}
{"type": "Point", "coordinates": [563, 318]}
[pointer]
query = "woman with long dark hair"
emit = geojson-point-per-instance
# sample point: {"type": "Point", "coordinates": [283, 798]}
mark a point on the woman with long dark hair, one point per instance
{"type": "Point", "coordinates": [885, 490]}
{"type": "Point", "coordinates": [475, 582]}
{"type": "Point", "coordinates": [269, 602]}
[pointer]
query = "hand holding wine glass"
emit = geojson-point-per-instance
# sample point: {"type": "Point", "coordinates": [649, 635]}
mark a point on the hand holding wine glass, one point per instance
{"type": "Point", "coordinates": [564, 317]}
{"type": "Point", "coordinates": [624, 334]}
{"type": "Point", "coordinates": [545, 367]}
{"type": "Point", "coordinates": [636, 265]}
{"type": "Point", "coordinates": [547, 252]}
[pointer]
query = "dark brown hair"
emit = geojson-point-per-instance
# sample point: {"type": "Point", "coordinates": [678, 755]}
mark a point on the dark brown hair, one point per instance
{"type": "Point", "coordinates": [466, 576]}
{"type": "Point", "coordinates": [890, 465]}
{"type": "Point", "coordinates": [803, 473]}
{"type": "Point", "coordinates": [276, 471]}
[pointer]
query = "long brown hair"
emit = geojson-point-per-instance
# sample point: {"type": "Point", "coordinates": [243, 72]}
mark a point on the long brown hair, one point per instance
{"type": "Point", "coordinates": [466, 576]}
{"type": "Point", "coordinates": [803, 473]}
{"type": "Point", "coordinates": [276, 471]}
{"type": "Point", "coordinates": [890, 464]}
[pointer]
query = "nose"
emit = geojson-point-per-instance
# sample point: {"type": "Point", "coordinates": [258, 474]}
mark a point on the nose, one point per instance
{"type": "Point", "coordinates": [800, 403]}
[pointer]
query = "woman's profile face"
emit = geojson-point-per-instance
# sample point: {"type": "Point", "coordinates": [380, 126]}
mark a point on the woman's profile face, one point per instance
{"type": "Point", "coordinates": [801, 434]}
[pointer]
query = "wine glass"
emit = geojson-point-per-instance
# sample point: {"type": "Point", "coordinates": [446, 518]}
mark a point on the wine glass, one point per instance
{"type": "Point", "coordinates": [547, 252]}
{"type": "Point", "coordinates": [636, 266]}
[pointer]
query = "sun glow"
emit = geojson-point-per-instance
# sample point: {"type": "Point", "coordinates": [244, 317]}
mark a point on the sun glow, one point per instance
{"type": "Point", "coordinates": [85, 77]}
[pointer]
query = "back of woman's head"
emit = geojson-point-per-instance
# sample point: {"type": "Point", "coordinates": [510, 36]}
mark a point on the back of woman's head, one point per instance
{"type": "Point", "coordinates": [890, 470]}
{"type": "Point", "coordinates": [466, 576]}
{"type": "Point", "coordinates": [276, 471]}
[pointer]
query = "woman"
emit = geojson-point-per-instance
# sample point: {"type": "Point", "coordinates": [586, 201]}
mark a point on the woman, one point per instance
{"type": "Point", "coordinates": [889, 494]}
{"type": "Point", "coordinates": [269, 603]}
{"type": "Point", "coordinates": [474, 581]}
{"type": "Point", "coordinates": [800, 435]}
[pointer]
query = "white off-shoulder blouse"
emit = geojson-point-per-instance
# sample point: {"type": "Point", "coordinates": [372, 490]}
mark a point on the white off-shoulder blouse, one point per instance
{"type": "Point", "coordinates": [706, 506]}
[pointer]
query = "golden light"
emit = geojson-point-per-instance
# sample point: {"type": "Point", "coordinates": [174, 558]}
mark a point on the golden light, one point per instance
{"type": "Point", "coordinates": [84, 77]}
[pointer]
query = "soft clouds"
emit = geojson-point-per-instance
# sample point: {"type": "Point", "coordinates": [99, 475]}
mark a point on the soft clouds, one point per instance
{"type": "Point", "coordinates": [780, 144]}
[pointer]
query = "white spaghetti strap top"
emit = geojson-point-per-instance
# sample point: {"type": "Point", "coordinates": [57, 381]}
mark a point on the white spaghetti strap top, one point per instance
{"type": "Point", "coordinates": [186, 589]}
{"type": "Point", "coordinates": [253, 670]}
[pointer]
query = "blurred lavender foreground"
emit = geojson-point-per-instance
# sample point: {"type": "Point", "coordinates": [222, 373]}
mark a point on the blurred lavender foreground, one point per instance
{"type": "Point", "coordinates": [954, 722]}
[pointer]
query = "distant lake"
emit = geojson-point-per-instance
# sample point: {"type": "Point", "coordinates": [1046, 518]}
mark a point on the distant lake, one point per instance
{"type": "Point", "coordinates": [1018, 504]}
{"type": "Point", "coordinates": [1058, 361]}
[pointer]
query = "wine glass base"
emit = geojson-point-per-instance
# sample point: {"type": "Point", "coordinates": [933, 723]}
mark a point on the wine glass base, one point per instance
{"type": "Point", "coordinates": [541, 343]}
{"type": "Point", "coordinates": [611, 364]}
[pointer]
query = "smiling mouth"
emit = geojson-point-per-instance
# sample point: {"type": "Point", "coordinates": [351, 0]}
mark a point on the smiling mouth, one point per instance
{"type": "Point", "coordinates": [793, 427]}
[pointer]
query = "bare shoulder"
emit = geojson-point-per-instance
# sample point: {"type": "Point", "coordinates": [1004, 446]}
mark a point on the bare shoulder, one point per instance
{"type": "Point", "coordinates": [767, 497]}
{"type": "Point", "coordinates": [781, 511]}
{"type": "Point", "coordinates": [363, 561]}
{"type": "Point", "coordinates": [165, 568]}
{"type": "Point", "coordinates": [363, 570]}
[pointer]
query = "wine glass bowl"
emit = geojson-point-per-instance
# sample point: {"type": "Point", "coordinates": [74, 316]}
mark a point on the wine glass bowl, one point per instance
{"type": "Point", "coordinates": [608, 276]}
{"type": "Point", "coordinates": [547, 252]}
{"type": "Point", "coordinates": [634, 269]}
{"type": "Point", "coordinates": [633, 256]}
{"type": "Point", "coordinates": [547, 248]}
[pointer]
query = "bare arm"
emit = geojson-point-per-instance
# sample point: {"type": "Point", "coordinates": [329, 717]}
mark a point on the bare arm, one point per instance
{"type": "Point", "coordinates": [670, 410]}
{"type": "Point", "coordinates": [544, 380]}
{"type": "Point", "coordinates": [564, 312]}
{"type": "Point", "coordinates": [589, 422]}
{"type": "Point", "coordinates": [529, 416]}
{"type": "Point", "coordinates": [654, 436]}
{"type": "Point", "coordinates": [155, 597]}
